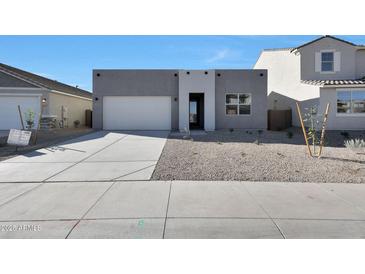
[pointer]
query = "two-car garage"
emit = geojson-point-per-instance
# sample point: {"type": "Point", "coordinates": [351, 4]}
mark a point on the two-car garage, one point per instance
{"type": "Point", "coordinates": [137, 112]}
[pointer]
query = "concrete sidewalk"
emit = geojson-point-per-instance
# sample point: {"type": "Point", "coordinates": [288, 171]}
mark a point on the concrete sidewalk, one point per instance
{"type": "Point", "coordinates": [181, 210]}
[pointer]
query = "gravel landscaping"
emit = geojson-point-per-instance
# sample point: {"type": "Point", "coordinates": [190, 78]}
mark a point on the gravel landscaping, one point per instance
{"type": "Point", "coordinates": [225, 155]}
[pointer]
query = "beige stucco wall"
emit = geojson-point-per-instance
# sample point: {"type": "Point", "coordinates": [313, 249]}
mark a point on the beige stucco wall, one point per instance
{"type": "Point", "coordinates": [339, 121]}
{"type": "Point", "coordinates": [347, 66]}
{"type": "Point", "coordinates": [76, 107]}
{"type": "Point", "coordinates": [284, 86]}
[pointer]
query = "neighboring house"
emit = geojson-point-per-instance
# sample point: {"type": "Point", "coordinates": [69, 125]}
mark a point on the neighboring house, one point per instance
{"type": "Point", "coordinates": [30, 91]}
{"type": "Point", "coordinates": [326, 70]}
{"type": "Point", "coordinates": [179, 99]}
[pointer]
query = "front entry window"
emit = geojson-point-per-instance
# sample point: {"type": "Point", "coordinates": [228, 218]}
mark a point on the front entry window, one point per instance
{"type": "Point", "coordinates": [193, 117]}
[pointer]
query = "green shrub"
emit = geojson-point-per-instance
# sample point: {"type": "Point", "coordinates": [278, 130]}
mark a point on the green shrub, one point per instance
{"type": "Point", "coordinates": [345, 134]}
{"type": "Point", "coordinates": [290, 134]}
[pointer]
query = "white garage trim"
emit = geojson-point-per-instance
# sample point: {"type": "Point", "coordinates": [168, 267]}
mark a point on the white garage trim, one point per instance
{"type": "Point", "coordinates": [137, 112]}
{"type": "Point", "coordinates": [9, 115]}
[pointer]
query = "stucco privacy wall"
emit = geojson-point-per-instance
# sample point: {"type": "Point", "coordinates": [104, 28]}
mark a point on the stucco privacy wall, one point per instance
{"type": "Point", "coordinates": [284, 86]}
{"type": "Point", "coordinates": [197, 81]}
{"type": "Point", "coordinates": [75, 107]}
{"type": "Point", "coordinates": [347, 60]}
{"type": "Point", "coordinates": [134, 83]}
{"type": "Point", "coordinates": [242, 81]}
{"type": "Point", "coordinates": [339, 121]}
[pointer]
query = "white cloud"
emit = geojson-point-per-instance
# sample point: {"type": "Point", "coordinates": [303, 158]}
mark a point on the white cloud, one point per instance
{"type": "Point", "coordinates": [218, 56]}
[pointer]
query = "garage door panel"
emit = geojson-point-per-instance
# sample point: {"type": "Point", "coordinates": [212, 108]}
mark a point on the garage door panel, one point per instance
{"type": "Point", "coordinates": [9, 115]}
{"type": "Point", "coordinates": [137, 112]}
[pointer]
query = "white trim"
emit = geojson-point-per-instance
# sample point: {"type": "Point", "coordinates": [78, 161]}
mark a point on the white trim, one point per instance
{"type": "Point", "coordinates": [20, 77]}
{"type": "Point", "coordinates": [23, 88]}
{"type": "Point", "coordinates": [343, 86]}
{"type": "Point", "coordinates": [20, 95]}
{"type": "Point", "coordinates": [40, 85]}
{"type": "Point", "coordinates": [71, 95]}
{"type": "Point", "coordinates": [238, 104]}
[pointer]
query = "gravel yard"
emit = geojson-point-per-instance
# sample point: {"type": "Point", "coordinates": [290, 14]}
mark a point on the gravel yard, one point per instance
{"type": "Point", "coordinates": [224, 155]}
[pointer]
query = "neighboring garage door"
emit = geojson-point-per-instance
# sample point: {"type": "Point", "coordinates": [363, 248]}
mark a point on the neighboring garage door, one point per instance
{"type": "Point", "coordinates": [9, 114]}
{"type": "Point", "coordinates": [137, 112]}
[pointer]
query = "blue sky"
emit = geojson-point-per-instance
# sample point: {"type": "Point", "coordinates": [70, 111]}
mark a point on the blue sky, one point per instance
{"type": "Point", "coordinates": [70, 59]}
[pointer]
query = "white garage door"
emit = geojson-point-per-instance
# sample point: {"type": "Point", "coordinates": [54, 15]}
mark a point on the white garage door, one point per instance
{"type": "Point", "coordinates": [9, 115]}
{"type": "Point", "coordinates": [137, 112]}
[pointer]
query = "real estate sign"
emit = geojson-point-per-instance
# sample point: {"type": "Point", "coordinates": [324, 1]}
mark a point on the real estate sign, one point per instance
{"type": "Point", "coordinates": [19, 137]}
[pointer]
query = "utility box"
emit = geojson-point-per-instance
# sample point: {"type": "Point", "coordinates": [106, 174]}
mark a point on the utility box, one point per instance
{"type": "Point", "coordinates": [279, 119]}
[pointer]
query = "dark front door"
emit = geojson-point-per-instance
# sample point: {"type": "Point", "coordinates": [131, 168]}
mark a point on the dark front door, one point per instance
{"type": "Point", "coordinates": [196, 110]}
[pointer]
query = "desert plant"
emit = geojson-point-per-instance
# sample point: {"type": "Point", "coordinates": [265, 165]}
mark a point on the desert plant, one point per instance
{"type": "Point", "coordinates": [29, 118]}
{"type": "Point", "coordinates": [186, 135]}
{"type": "Point", "coordinates": [231, 130]}
{"type": "Point", "coordinates": [76, 123]}
{"type": "Point", "coordinates": [355, 144]}
{"type": "Point", "coordinates": [345, 134]}
{"type": "Point", "coordinates": [289, 134]}
{"type": "Point", "coordinates": [313, 122]}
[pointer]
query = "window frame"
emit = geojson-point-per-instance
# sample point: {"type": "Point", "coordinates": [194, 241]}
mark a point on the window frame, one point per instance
{"type": "Point", "coordinates": [341, 114]}
{"type": "Point", "coordinates": [238, 103]}
{"type": "Point", "coordinates": [333, 61]}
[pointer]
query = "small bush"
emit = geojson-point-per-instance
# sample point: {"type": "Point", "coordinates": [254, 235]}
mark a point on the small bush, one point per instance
{"type": "Point", "coordinates": [76, 123]}
{"type": "Point", "coordinates": [355, 144]}
{"type": "Point", "coordinates": [257, 142]}
{"type": "Point", "coordinates": [290, 134]}
{"type": "Point", "coordinates": [231, 130]}
{"type": "Point", "coordinates": [260, 131]}
{"type": "Point", "coordinates": [345, 134]}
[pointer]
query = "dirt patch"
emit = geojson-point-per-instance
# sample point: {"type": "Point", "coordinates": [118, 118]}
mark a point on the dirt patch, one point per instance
{"type": "Point", "coordinates": [44, 138]}
{"type": "Point", "coordinates": [248, 155]}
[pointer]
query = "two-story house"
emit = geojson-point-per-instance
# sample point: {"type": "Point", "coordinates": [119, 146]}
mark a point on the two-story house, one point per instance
{"type": "Point", "coordinates": [325, 70]}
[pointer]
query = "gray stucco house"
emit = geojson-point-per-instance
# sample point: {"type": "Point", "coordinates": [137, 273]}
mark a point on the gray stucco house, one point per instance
{"type": "Point", "coordinates": [64, 103]}
{"type": "Point", "coordinates": [179, 99]}
{"type": "Point", "coordinates": [325, 70]}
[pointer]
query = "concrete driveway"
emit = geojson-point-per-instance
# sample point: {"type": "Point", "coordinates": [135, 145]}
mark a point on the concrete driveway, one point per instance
{"type": "Point", "coordinates": [99, 156]}
{"type": "Point", "coordinates": [207, 209]}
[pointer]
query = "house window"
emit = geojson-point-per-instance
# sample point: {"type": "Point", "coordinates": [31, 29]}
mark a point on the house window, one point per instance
{"type": "Point", "coordinates": [238, 104]}
{"type": "Point", "coordinates": [351, 102]}
{"type": "Point", "coordinates": [327, 61]}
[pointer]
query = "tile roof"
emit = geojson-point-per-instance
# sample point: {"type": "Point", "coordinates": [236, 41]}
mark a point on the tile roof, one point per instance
{"type": "Point", "coordinates": [279, 49]}
{"type": "Point", "coordinates": [44, 82]}
{"type": "Point", "coordinates": [335, 82]}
